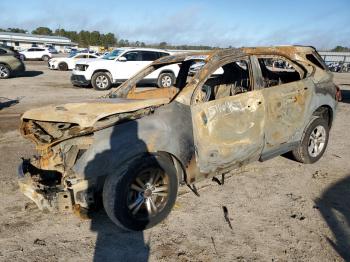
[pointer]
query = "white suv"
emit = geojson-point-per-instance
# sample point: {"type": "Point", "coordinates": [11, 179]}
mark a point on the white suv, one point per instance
{"type": "Point", "coordinates": [121, 64]}
{"type": "Point", "coordinates": [36, 53]}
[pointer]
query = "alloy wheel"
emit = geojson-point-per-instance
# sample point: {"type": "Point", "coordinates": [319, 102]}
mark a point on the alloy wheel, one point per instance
{"type": "Point", "coordinates": [148, 194]}
{"type": "Point", "coordinates": [102, 81]}
{"type": "Point", "coordinates": [4, 72]}
{"type": "Point", "coordinates": [166, 81]}
{"type": "Point", "coordinates": [317, 141]}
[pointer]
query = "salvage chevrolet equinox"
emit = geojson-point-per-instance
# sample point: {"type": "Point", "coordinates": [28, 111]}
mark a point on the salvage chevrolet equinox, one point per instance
{"type": "Point", "coordinates": [134, 148]}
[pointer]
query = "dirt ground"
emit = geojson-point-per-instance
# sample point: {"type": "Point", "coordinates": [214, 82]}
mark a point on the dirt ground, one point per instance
{"type": "Point", "coordinates": [279, 210]}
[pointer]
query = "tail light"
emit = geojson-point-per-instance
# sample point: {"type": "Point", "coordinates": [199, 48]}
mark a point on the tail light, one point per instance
{"type": "Point", "coordinates": [338, 96]}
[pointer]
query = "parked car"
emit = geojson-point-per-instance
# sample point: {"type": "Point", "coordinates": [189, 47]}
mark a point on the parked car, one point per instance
{"type": "Point", "coordinates": [68, 63]}
{"type": "Point", "coordinates": [10, 62]}
{"type": "Point", "coordinates": [135, 148]}
{"type": "Point", "coordinates": [69, 50]}
{"type": "Point", "coordinates": [36, 53]}
{"type": "Point", "coordinates": [52, 50]}
{"type": "Point", "coordinates": [119, 65]}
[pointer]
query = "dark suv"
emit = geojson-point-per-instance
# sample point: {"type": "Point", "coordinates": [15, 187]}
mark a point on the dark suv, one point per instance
{"type": "Point", "coordinates": [10, 62]}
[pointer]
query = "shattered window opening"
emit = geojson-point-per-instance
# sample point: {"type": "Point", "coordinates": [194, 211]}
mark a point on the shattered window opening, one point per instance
{"type": "Point", "coordinates": [227, 80]}
{"type": "Point", "coordinates": [277, 71]}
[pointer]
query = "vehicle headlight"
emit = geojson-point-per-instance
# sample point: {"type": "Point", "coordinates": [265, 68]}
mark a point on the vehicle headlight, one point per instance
{"type": "Point", "coordinates": [81, 67]}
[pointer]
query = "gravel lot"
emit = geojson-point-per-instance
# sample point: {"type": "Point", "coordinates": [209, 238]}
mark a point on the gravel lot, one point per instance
{"type": "Point", "coordinates": [279, 210]}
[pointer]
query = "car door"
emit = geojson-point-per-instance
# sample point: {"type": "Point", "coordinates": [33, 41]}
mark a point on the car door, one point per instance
{"type": "Point", "coordinates": [30, 53]}
{"type": "Point", "coordinates": [287, 94]}
{"type": "Point", "coordinates": [147, 58]}
{"type": "Point", "coordinates": [39, 52]}
{"type": "Point", "coordinates": [125, 69]}
{"type": "Point", "coordinates": [228, 129]}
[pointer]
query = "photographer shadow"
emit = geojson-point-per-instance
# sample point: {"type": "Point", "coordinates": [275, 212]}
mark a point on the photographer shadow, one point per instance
{"type": "Point", "coordinates": [334, 206]}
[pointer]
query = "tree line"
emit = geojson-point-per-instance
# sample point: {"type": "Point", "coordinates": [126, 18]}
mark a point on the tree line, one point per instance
{"type": "Point", "coordinates": [87, 38]}
{"type": "Point", "coordinates": [95, 38]}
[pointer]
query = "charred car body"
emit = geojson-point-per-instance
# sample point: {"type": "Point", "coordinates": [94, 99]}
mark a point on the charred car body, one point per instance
{"type": "Point", "coordinates": [135, 148]}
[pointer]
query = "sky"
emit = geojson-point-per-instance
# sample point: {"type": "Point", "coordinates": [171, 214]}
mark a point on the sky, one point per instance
{"type": "Point", "coordinates": [323, 24]}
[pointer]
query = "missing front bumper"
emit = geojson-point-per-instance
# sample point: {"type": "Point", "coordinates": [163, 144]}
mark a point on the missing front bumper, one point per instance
{"type": "Point", "coordinates": [46, 197]}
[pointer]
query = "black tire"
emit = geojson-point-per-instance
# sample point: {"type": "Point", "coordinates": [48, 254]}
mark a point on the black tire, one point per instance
{"type": "Point", "coordinates": [101, 81]}
{"type": "Point", "coordinates": [118, 196]}
{"type": "Point", "coordinates": [63, 66]}
{"type": "Point", "coordinates": [166, 80]}
{"type": "Point", "coordinates": [45, 58]}
{"type": "Point", "coordinates": [302, 153]}
{"type": "Point", "coordinates": [5, 71]}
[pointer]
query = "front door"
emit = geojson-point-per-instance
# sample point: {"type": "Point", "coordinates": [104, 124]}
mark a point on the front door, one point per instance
{"type": "Point", "coordinates": [133, 64]}
{"type": "Point", "coordinates": [229, 124]}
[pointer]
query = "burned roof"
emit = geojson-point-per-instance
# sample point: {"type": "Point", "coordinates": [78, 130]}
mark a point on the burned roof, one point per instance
{"type": "Point", "coordinates": [288, 51]}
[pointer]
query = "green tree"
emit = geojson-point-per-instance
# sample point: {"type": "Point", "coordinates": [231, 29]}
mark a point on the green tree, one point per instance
{"type": "Point", "coordinates": [42, 31]}
{"type": "Point", "coordinates": [341, 49]}
{"type": "Point", "coordinates": [163, 44]}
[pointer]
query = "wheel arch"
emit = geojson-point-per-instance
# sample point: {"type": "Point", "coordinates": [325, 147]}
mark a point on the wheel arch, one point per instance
{"type": "Point", "coordinates": [157, 133]}
{"type": "Point", "coordinates": [102, 71]}
{"type": "Point", "coordinates": [326, 112]}
{"type": "Point", "coordinates": [6, 64]}
{"type": "Point", "coordinates": [167, 71]}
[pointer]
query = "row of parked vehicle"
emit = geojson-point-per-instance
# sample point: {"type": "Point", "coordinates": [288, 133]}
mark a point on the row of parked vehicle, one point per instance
{"type": "Point", "coordinates": [339, 67]}
{"type": "Point", "coordinates": [114, 67]}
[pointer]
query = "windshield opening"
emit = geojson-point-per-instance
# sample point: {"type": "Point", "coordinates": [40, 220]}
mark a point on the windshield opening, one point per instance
{"type": "Point", "coordinates": [112, 55]}
{"type": "Point", "coordinates": [164, 80]}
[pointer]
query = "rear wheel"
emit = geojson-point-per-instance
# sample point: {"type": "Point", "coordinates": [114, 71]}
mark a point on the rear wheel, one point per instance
{"type": "Point", "coordinates": [166, 80]}
{"type": "Point", "coordinates": [314, 142]}
{"type": "Point", "coordinates": [5, 71]}
{"type": "Point", "coordinates": [63, 66]}
{"type": "Point", "coordinates": [101, 81]}
{"type": "Point", "coordinates": [45, 58]}
{"type": "Point", "coordinates": [142, 193]}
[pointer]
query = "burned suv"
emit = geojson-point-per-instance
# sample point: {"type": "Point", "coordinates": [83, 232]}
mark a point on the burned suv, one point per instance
{"type": "Point", "coordinates": [133, 149]}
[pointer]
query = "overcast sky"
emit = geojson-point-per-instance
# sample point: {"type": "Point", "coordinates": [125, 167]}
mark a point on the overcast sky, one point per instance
{"type": "Point", "coordinates": [323, 24]}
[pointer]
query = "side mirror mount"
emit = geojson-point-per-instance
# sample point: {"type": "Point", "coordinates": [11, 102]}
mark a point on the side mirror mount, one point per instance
{"type": "Point", "coordinates": [121, 59]}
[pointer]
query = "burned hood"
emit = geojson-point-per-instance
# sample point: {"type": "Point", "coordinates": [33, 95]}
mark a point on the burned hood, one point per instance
{"type": "Point", "coordinates": [86, 114]}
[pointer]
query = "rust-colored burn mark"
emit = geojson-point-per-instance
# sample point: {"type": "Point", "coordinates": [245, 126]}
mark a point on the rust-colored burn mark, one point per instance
{"type": "Point", "coordinates": [167, 92]}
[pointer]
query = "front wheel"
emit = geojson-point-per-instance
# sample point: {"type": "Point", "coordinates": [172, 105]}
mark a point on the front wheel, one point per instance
{"type": "Point", "coordinates": [142, 193]}
{"type": "Point", "coordinates": [101, 81]}
{"type": "Point", "coordinates": [166, 80]}
{"type": "Point", "coordinates": [5, 71]}
{"type": "Point", "coordinates": [63, 66]}
{"type": "Point", "coordinates": [314, 142]}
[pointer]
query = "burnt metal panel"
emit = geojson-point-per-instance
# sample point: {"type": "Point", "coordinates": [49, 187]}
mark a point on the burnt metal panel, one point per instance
{"type": "Point", "coordinates": [169, 129]}
{"type": "Point", "coordinates": [229, 130]}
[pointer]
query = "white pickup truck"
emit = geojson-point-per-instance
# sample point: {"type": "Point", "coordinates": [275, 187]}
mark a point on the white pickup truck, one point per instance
{"type": "Point", "coordinates": [121, 64]}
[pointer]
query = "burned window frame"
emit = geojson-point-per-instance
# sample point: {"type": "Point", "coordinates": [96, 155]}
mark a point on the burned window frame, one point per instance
{"type": "Point", "coordinates": [303, 73]}
{"type": "Point", "coordinates": [210, 68]}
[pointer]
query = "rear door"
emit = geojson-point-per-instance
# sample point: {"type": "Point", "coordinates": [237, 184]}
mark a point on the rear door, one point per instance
{"type": "Point", "coordinates": [30, 53]}
{"type": "Point", "coordinates": [288, 95]}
